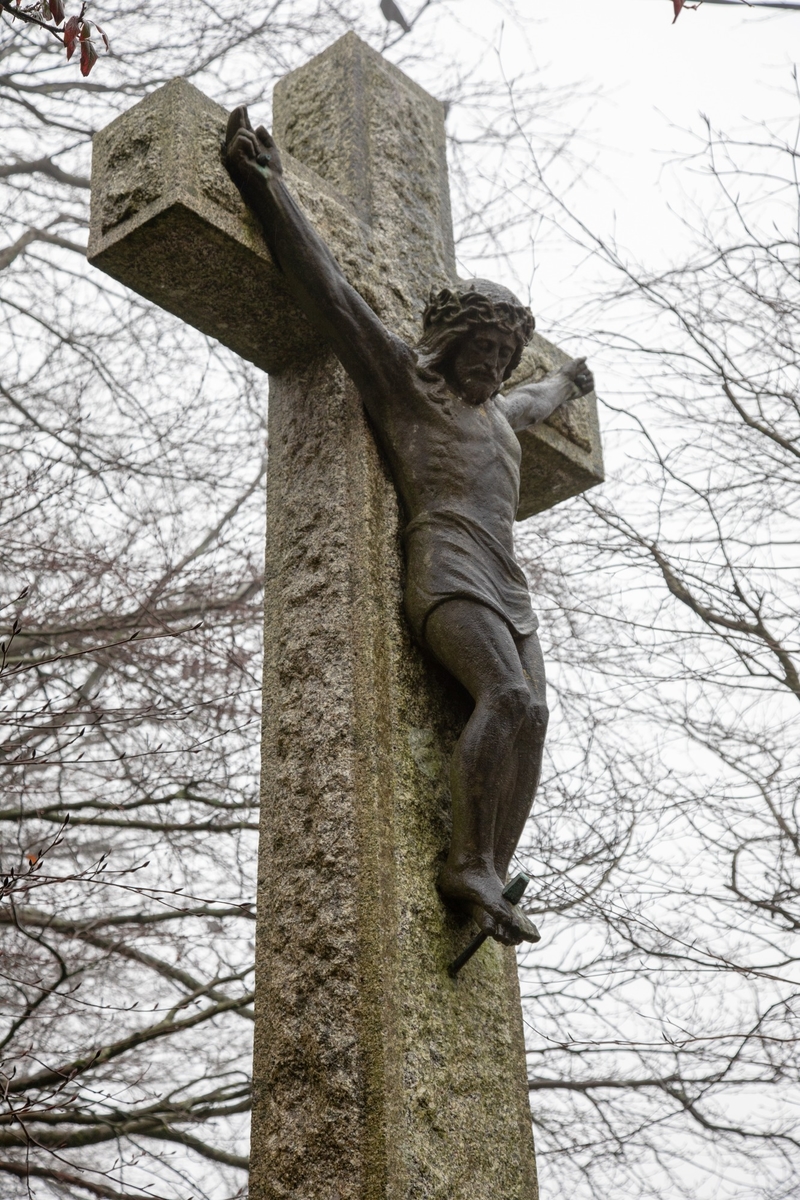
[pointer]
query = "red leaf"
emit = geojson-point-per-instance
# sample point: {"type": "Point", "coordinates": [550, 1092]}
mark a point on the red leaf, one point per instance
{"type": "Point", "coordinates": [57, 10]}
{"type": "Point", "coordinates": [71, 31]}
{"type": "Point", "coordinates": [88, 52]}
{"type": "Point", "coordinates": [678, 5]}
{"type": "Point", "coordinates": [103, 36]}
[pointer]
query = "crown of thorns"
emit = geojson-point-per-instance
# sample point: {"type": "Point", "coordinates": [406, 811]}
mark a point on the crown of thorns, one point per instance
{"type": "Point", "coordinates": [478, 303]}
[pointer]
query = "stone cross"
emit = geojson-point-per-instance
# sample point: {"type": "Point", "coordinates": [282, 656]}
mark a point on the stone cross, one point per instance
{"type": "Point", "coordinates": [376, 1076]}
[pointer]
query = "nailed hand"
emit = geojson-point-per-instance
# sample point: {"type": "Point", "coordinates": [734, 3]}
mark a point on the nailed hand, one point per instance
{"type": "Point", "coordinates": [250, 154]}
{"type": "Point", "coordinates": [581, 376]}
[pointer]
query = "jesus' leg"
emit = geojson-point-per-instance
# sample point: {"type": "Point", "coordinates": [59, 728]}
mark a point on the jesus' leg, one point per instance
{"type": "Point", "coordinates": [476, 646]}
{"type": "Point", "coordinates": [513, 814]}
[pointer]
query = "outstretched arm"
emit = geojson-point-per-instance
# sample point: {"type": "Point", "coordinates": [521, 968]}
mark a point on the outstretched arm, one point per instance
{"type": "Point", "coordinates": [533, 403]}
{"type": "Point", "coordinates": [360, 340]}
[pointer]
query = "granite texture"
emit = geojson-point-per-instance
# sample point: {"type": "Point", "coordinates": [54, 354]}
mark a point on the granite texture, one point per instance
{"type": "Point", "coordinates": [167, 221]}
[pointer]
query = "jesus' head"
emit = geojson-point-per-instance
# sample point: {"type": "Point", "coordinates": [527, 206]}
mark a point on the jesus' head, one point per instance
{"type": "Point", "coordinates": [474, 336]}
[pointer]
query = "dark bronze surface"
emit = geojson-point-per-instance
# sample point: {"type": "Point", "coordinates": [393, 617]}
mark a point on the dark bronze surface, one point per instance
{"type": "Point", "coordinates": [513, 893]}
{"type": "Point", "coordinates": [449, 438]}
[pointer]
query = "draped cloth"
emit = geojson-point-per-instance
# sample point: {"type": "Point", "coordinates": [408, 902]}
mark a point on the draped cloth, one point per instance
{"type": "Point", "coordinates": [450, 556]}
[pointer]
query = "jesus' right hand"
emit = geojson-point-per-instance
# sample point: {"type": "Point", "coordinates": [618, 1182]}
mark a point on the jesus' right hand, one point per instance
{"type": "Point", "coordinates": [251, 155]}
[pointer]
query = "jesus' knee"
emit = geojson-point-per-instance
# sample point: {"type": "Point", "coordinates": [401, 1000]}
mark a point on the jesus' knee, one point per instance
{"type": "Point", "coordinates": [518, 711]}
{"type": "Point", "coordinates": [534, 727]}
{"type": "Point", "coordinates": [538, 715]}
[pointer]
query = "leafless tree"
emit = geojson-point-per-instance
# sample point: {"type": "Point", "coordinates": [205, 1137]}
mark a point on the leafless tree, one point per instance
{"type": "Point", "coordinates": [133, 454]}
{"type": "Point", "coordinates": [663, 1014]}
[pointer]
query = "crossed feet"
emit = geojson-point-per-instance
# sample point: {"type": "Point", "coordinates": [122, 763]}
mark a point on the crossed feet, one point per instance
{"type": "Point", "coordinates": [477, 889]}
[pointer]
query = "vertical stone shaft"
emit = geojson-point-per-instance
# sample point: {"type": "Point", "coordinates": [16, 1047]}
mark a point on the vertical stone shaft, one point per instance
{"type": "Point", "coordinates": [377, 1077]}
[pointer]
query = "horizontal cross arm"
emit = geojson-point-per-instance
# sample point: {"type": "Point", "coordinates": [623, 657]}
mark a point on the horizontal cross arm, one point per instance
{"type": "Point", "coordinates": [168, 222]}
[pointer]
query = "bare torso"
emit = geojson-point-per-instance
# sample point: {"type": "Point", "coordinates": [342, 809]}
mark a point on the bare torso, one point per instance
{"type": "Point", "coordinates": [446, 454]}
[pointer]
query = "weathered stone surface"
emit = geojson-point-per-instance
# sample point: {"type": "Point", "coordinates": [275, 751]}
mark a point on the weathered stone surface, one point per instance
{"type": "Point", "coordinates": [167, 221]}
{"type": "Point", "coordinates": [372, 133]}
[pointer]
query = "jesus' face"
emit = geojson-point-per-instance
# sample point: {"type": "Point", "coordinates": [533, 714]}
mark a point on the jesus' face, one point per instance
{"type": "Point", "coordinates": [479, 362]}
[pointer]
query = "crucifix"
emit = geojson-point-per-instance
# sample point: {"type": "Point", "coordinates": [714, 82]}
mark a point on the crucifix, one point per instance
{"type": "Point", "coordinates": [376, 1073]}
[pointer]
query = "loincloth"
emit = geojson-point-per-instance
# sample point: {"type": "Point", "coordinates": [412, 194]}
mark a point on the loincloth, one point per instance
{"type": "Point", "coordinates": [449, 557]}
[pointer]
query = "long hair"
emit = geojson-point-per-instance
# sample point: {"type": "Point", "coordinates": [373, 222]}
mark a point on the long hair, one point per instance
{"type": "Point", "coordinates": [451, 315]}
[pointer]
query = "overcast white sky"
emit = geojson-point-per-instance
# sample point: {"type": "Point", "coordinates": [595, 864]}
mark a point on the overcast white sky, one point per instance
{"type": "Point", "coordinates": [652, 79]}
{"type": "Point", "coordinates": [731, 63]}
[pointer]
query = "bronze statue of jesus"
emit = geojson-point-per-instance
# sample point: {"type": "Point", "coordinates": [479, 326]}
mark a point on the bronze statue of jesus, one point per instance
{"type": "Point", "coordinates": [448, 435]}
